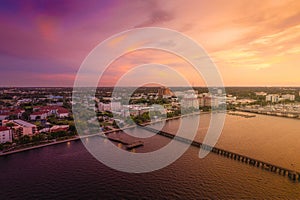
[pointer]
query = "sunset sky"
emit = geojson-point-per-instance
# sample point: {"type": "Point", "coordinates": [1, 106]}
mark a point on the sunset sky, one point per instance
{"type": "Point", "coordinates": [253, 43]}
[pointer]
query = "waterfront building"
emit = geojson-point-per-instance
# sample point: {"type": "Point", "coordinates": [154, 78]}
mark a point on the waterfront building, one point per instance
{"type": "Point", "coordinates": [58, 128]}
{"type": "Point", "coordinates": [21, 127]}
{"type": "Point", "coordinates": [5, 134]}
{"type": "Point", "coordinates": [205, 101]}
{"type": "Point", "coordinates": [55, 128]}
{"type": "Point", "coordinates": [190, 100]}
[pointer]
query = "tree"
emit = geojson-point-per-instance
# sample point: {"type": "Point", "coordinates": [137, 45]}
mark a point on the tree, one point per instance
{"type": "Point", "coordinates": [114, 124]}
{"type": "Point", "coordinates": [26, 115]}
{"type": "Point", "coordinates": [12, 117]}
{"type": "Point", "coordinates": [39, 124]}
{"type": "Point", "coordinates": [72, 129]}
{"type": "Point", "coordinates": [9, 124]}
{"type": "Point", "coordinates": [38, 138]}
{"type": "Point", "coordinates": [24, 139]}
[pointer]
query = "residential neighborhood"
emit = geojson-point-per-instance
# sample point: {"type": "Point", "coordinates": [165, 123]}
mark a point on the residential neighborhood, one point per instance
{"type": "Point", "coordinates": [30, 116]}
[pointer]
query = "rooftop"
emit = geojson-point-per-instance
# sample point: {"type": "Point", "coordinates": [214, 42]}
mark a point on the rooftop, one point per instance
{"type": "Point", "coordinates": [23, 123]}
{"type": "Point", "coordinates": [3, 128]}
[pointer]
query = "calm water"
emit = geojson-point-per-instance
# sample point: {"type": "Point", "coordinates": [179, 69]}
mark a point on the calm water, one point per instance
{"type": "Point", "coordinates": [68, 171]}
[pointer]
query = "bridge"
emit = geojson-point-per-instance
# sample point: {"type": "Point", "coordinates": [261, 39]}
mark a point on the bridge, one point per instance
{"type": "Point", "coordinates": [291, 174]}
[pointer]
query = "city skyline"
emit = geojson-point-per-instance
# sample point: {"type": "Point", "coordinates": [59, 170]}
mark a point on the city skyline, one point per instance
{"type": "Point", "coordinates": [252, 43]}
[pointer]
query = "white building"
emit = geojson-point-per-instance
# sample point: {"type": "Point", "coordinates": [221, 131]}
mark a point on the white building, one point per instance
{"type": "Point", "coordinates": [39, 115]}
{"type": "Point", "coordinates": [190, 101]}
{"type": "Point", "coordinates": [274, 98]}
{"type": "Point", "coordinates": [104, 107]}
{"type": "Point", "coordinates": [290, 97]}
{"type": "Point", "coordinates": [42, 112]}
{"type": "Point", "coordinates": [112, 106]}
{"type": "Point", "coordinates": [62, 112]}
{"type": "Point", "coordinates": [261, 93]}
{"type": "Point", "coordinates": [22, 127]}
{"type": "Point", "coordinates": [5, 135]}
{"type": "Point", "coordinates": [115, 105]}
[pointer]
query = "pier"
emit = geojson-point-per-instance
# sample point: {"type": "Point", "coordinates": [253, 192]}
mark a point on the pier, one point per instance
{"type": "Point", "coordinates": [130, 144]}
{"type": "Point", "coordinates": [135, 145]}
{"type": "Point", "coordinates": [291, 174]}
{"type": "Point", "coordinates": [241, 114]}
{"type": "Point", "coordinates": [294, 115]}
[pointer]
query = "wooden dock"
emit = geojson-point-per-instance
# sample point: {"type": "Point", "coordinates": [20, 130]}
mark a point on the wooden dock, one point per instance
{"type": "Point", "coordinates": [135, 144]}
{"type": "Point", "coordinates": [130, 144]}
{"type": "Point", "coordinates": [241, 114]}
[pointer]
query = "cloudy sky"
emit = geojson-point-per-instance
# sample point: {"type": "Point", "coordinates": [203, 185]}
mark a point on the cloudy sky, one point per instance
{"type": "Point", "coordinates": [43, 43]}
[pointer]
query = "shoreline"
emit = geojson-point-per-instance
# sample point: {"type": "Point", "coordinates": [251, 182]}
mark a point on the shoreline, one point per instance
{"type": "Point", "coordinates": [60, 142]}
{"type": "Point", "coordinates": [92, 135]}
{"type": "Point", "coordinates": [39, 146]}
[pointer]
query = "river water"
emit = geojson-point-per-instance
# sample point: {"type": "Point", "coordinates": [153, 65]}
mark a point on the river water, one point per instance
{"type": "Point", "coordinates": [68, 171]}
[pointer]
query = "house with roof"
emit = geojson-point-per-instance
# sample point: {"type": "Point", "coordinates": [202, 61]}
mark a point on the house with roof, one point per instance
{"type": "Point", "coordinates": [38, 115]}
{"type": "Point", "coordinates": [5, 113]}
{"type": "Point", "coordinates": [62, 112]}
{"type": "Point", "coordinates": [42, 112]}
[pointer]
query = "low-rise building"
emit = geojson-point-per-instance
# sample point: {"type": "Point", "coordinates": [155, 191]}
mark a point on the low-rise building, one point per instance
{"type": "Point", "coordinates": [290, 97]}
{"type": "Point", "coordinates": [42, 112]}
{"type": "Point", "coordinates": [261, 93]}
{"type": "Point", "coordinates": [38, 115]}
{"type": "Point", "coordinates": [112, 106]}
{"type": "Point", "coordinates": [62, 112]}
{"type": "Point", "coordinates": [5, 134]}
{"type": "Point", "coordinates": [274, 98]}
{"type": "Point", "coordinates": [4, 116]}
{"type": "Point", "coordinates": [7, 113]}
{"type": "Point", "coordinates": [104, 106]}
{"type": "Point", "coordinates": [22, 128]}
{"type": "Point", "coordinates": [58, 128]}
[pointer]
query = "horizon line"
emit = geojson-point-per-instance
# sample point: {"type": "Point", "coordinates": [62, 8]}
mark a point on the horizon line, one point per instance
{"type": "Point", "coordinates": [292, 86]}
